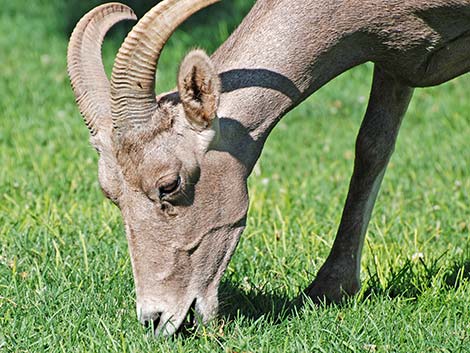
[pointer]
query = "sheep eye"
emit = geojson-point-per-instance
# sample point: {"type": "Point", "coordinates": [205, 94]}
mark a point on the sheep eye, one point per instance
{"type": "Point", "coordinates": [169, 187]}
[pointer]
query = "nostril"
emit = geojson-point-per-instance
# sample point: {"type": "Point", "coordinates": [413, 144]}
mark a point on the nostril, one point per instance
{"type": "Point", "coordinates": [153, 320]}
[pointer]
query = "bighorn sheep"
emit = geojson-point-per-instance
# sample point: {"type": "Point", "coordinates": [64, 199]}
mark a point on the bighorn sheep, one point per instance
{"type": "Point", "coordinates": [177, 165]}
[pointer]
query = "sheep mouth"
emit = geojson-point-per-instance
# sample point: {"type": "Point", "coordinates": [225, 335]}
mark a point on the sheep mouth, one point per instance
{"type": "Point", "coordinates": [191, 320]}
{"type": "Point", "coordinates": [188, 326]}
{"type": "Point", "coordinates": [153, 324]}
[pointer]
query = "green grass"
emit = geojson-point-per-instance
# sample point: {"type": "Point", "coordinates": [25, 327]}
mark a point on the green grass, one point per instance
{"type": "Point", "coordinates": [65, 275]}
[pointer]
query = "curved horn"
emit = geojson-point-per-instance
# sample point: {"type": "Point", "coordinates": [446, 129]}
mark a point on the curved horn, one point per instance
{"type": "Point", "coordinates": [84, 63]}
{"type": "Point", "coordinates": [133, 78]}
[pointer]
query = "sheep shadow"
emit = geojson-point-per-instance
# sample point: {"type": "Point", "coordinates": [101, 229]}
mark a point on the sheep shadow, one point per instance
{"type": "Point", "coordinates": [410, 281]}
{"type": "Point", "coordinates": [415, 277]}
{"type": "Point", "coordinates": [254, 303]}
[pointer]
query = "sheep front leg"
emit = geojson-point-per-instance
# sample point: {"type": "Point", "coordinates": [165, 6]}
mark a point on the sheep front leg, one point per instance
{"type": "Point", "coordinates": [340, 274]}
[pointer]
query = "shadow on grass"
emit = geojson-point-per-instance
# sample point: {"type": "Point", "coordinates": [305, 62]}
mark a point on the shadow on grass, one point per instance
{"type": "Point", "coordinates": [254, 303]}
{"type": "Point", "coordinates": [414, 278]}
{"type": "Point", "coordinates": [251, 304]}
{"type": "Point", "coordinates": [409, 281]}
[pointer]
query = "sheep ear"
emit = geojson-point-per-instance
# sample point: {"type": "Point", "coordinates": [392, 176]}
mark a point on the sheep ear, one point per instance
{"type": "Point", "coordinates": [199, 89]}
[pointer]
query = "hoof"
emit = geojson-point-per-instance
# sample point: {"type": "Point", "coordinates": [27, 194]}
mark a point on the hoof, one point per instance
{"type": "Point", "coordinates": [328, 289]}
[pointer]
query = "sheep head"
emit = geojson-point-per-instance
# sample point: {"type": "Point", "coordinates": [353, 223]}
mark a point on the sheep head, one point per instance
{"type": "Point", "coordinates": [182, 211]}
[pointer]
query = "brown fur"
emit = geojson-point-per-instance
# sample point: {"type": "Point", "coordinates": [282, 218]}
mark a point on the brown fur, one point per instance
{"type": "Point", "coordinates": [283, 51]}
{"type": "Point", "coordinates": [199, 87]}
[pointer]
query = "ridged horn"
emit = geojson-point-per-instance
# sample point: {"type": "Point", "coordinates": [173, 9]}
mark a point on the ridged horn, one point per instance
{"type": "Point", "coordinates": [133, 78]}
{"type": "Point", "coordinates": [85, 65]}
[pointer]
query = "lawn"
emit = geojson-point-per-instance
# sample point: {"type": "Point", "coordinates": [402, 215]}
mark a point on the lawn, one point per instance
{"type": "Point", "coordinates": [65, 274]}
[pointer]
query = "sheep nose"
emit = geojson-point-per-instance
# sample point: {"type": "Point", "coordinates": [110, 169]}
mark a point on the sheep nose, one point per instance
{"type": "Point", "coordinates": [150, 319]}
